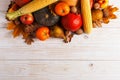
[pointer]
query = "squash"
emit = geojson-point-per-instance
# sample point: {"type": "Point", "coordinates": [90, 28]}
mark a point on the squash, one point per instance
{"type": "Point", "coordinates": [46, 17]}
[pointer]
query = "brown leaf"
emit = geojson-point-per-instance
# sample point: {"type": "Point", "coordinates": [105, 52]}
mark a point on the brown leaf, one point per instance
{"type": "Point", "coordinates": [12, 7]}
{"type": "Point", "coordinates": [109, 12]}
{"type": "Point", "coordinates": [106, 20]}
{"type": "Point", "coordinates": [114, 9]}
{"type": "Point", "coordinates": [68, 36]}
{"type": "Point", "coordinates": [25, 35]}
{"type": "Point", "coordinates": [29, 28]}
{"type": "Point", "coordinates": [29, 40]}
{"type": "Point", "coordinates": [17, 30]}
{"type": "Point", "coordinates": [112, 16]}
{"type": "Point", "coordinates": [11, 25]}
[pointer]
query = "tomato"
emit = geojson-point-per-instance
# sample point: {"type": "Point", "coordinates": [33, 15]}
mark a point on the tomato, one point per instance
{"type": "Point", "coordinates": [62, 9]}
{"type": "Point", "coordinates": [21, 2]}
{"type": "Point", "coordinates": [27, 19]}
{"type": "Point", "coordinates": [72, 21]}
{"type": "Point", "coordinates": [43, 33]}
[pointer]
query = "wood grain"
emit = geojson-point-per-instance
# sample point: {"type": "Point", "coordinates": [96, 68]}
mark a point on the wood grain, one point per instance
{"type": "Point", "coordinates": [60, 70]}
{"type": "Point", "coordinates": [88, 57]}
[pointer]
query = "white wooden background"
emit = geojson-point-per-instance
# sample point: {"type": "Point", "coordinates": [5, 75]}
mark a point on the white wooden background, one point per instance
{"type": "Point", "coordinates": [87, 57]}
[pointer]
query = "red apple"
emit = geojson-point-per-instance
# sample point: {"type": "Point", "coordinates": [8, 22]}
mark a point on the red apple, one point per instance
{"type": "Point", "coordinates": [27, 19]}
{"type": "Point", "coordinates": [72, 22]}
{"type": "Point", "coordinates": [21, 2]}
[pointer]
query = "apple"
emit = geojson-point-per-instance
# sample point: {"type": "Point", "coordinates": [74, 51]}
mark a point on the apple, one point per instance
{"type": "Point", "coordinates": [62, 9]}
{"type": "Point", "coordinates": [103, 3]}
{"type": "Point", "coordinates": [71, 2]}
{"type": "Point", "coordinates": [72, 22]}
{"type": "Point", "coordinates": [21, 2]}
{"type": "Point", "coordinates": [27, 19]}
{"type": "Point", "coordinates": [42, 33]}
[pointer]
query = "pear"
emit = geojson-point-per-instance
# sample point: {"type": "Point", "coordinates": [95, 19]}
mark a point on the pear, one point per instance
{"type": "Point", "coordinates": [57, 32]}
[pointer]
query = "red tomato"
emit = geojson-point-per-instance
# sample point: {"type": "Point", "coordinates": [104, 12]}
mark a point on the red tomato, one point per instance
{"type": "Point", "coordinates": [21, 2]}
{"type": "Point", "coordinates": [27, 19]}
{"type": "Point", "coordinates": [43, 33]}
{"type": "Point", "coordinates": [72, 22]}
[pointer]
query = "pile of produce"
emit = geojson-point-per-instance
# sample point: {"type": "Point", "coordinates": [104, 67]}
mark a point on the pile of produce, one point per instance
{"type": "Point", "coordinates": [62, 19]}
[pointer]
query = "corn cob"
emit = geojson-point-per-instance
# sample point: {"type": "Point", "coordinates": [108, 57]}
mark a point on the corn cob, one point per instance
{"type": "Point", "coordinates": [86, 15]}
{"type": "Point", "coordinates": [29, 8]}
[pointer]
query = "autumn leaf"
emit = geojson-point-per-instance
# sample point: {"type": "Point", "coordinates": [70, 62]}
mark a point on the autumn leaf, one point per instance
{"type": "Point", "coordinates": [29, 40]}
{"type": "Point", "coordinates": [17, 30]}
{"type": "Point", "coordinates": [11, 25]}
{"type": "Point", "coordinates": [12, 7]}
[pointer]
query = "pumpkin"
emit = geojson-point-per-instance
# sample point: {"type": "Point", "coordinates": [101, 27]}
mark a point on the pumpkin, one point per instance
{"type": "Point", "coordinates": [46, 17]}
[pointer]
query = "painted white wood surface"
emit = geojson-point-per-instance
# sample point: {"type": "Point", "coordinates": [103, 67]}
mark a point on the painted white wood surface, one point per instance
{"type": "Point", "coordinates": [87, 57]}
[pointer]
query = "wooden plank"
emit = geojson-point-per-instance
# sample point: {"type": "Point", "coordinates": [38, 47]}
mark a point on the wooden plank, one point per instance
{"type": "Point", "coordinates": [101, 44]}
{"type": "Point", "coordinates": [60, 70]}
{"type": "Point", "coordinates": [4, 5]}
{"type": "Point", "coordinates": [87, 57]}
{"type": "Point", "coordinates": [93, 48]}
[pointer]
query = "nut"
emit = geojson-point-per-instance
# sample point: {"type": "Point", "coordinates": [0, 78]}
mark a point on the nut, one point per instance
{"type": "Point", "coordinates": [74, 9]}
{"type": "Point", "coordinates": [80, 31]}
{"type": "Point", "coordinates": [96, 6]}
